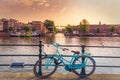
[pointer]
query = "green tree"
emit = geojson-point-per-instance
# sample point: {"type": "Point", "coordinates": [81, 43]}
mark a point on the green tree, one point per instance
{"type": "Point", "coordinates": [84, 26]}
{"type": "Point", "coordinates": [10, 28]}
{"type": "Point", "coordinates": [63, 30]}
{"type": "Point", "coordinates": [98, 30]}
{"type": "Point", "coordinates": [69, 28]}
{"type": "Point", "coordinates": [55, 29]}
{"type": "Point", "coordinates": [27, 28]}
{"type": "Point", "coordinates": [49, 24]}
{"type": "Point", "coordinates": [112, 28]}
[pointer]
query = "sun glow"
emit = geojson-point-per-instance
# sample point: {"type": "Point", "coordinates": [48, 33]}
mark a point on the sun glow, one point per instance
{"type": "Point", "coordinates": [62, 12]}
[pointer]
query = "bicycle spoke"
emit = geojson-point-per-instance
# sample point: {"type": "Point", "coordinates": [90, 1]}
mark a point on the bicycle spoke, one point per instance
{"type": "Point", "coordinates": [87, 67]}
{"type": "Point", "coordinates": [47, 67]}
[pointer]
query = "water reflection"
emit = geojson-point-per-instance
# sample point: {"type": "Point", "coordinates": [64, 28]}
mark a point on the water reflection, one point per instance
{"type": "Point", "coordinates": [59, 38]}
{"type": "Point", "coordinates": [48, 39]}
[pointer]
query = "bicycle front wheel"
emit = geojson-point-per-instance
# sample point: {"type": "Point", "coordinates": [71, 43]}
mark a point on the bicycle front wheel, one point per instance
{"type": "Point", "coordinates": [47, 69]}
{"type": "Point", "coordinates": [87, 66]}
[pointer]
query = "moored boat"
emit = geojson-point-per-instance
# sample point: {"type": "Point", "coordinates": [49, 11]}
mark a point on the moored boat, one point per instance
{"type": "Point", "coordinates": [24, 35]}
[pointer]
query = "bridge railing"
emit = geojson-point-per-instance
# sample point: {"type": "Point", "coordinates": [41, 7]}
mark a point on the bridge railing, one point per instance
{"type": "Point", "coordinates": [40, 45]}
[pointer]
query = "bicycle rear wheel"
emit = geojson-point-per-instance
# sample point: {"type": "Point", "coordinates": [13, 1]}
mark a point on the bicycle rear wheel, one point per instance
{"type": "Point", "coordinates": [89, 66]}
{"type": "Point", "coordinates": [47, 69]}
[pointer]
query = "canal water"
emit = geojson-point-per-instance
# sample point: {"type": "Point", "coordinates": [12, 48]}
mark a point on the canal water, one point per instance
{"type": "Point", "coordinates": [61, 39]}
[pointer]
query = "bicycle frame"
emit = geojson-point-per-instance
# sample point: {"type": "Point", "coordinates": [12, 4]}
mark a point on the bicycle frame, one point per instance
{"type": "Point", "coordinates": [62, 60]}
{"type": "Point", "coordinates": [75, 56]}
{"type": "Point", "coordinates": [49, 62]}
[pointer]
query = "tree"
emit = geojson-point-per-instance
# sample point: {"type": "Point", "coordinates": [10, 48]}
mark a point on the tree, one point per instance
{"type": "Point", "coordinates": [98, 30]}
{"type": "Point", "coordinates": [10, 28]}
{"type": "Point", "coordinates": [69, 28]}
{"type": "Point", "coordinates": [84, 26]}
{"type": "Point", "coordinates": [27, 28]}
{"type": "Point", "coordinates": [55, 29]}
{"type": "Point", "coordinates": [49, 24]}
{"type": "Point", "coordinates": [112, 28]}
{"type": "Point", "coordinates": [63, 30]}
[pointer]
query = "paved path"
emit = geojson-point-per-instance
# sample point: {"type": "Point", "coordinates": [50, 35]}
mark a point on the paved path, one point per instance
{"type": "Point", "coordinates": [58, 76]}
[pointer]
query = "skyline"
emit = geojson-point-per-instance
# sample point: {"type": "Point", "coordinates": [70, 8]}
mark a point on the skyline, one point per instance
{"type": "Point", "coordinates": [62, 12]}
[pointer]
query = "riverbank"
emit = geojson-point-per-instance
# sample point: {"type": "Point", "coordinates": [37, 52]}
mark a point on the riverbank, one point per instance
{"type": "Point", "coordinates": [2, 34]}
{"type": "Point", "coordinates": [91, 35]}
{"type": "Point", "coordinates": [57, 76]}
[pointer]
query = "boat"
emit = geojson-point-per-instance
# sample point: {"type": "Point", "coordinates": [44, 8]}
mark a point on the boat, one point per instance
{"type": "Point", "coordinates": [25, 35]}
{"type": "Point", "coordinates": [14, 35]}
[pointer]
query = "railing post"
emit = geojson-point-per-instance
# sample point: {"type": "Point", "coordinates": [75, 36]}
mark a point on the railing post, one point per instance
{"type": "Point", "coordinates": [40, 58]}
{"type": "Point", "coordinates": [83, 69]}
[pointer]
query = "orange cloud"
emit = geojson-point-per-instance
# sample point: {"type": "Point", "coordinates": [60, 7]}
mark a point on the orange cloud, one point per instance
{"type": "Point", "coordinates": [47, 5]}
{"type": "Point", "coordinates": [28, 2]}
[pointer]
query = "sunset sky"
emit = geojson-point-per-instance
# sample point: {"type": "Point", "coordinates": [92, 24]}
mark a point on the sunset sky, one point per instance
{"type": "Point", "coordinates": [62, 12]}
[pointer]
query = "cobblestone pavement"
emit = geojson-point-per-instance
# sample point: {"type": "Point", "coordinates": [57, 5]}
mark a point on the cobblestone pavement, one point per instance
{"type": "Point", "coordinates": [57, 76]}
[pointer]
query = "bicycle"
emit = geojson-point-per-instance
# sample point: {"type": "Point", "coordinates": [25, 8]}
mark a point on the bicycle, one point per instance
{"type": "Point", "coordinates": [81, 64]}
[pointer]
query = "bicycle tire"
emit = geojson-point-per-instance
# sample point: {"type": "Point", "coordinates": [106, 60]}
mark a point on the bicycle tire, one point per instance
{"type": "Point", "coordinates": [93, 66]}
{"type": "Point", "coordinates": [45, 74]}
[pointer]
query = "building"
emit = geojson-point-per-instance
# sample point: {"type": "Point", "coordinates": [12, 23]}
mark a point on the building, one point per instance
{"type": "Point", "coordinates": [105, 28]}
{"type": "Point", "coordinates": [38, 25]}
{"type": "Point", "coordinates": [1, 26]}
{"type": "Point", "coordinates": [118, 29]}
{"type": "Point", "coordinates": [5, 24]}
{"type": "Point", "coordinates": [13, 23]}
{"type": "Point", "coordinates": [76, 30]}
{"type": "Point", "coordinates": [8, 23]}
{"type": "Point", "coordinates": [19, 26]}
{"type": "Point", "coordinates": [99, 29]}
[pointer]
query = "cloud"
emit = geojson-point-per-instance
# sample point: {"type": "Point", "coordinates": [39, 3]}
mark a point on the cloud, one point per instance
{"type": "Point", "coordinates": [63, 9]}
{"type": "Point", "coordinates": [25, 2]}
{"type": "Point", "coordinates": [17, 2]}
{"type": "Point", "coordinates": [40, 4]}
{"type": "Point", "coordinates": [43, 0]}
{"type": "Point", "coordinates": [47, 5]}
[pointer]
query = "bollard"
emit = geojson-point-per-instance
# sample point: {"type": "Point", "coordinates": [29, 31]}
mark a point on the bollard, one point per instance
{"type": "Point", "coordinates": [83, 69]}
{"type": "Point", "coordinates": [40, 58]}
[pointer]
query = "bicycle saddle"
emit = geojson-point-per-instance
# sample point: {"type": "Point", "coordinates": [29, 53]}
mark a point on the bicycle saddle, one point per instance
{"type": "Point", "coordinates": [76, 52]}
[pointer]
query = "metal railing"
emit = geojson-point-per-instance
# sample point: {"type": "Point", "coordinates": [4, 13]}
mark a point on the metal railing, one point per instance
{"type": "Point", "coordinates": [40, 53]}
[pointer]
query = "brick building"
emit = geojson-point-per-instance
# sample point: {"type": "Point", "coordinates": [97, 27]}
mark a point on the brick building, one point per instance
{"type": "Point", "coordinates": [1, 26]}
{"type": "Point", "coordinates": [104, 29]}
{"type": "Point", "coordinates": [38, 25]}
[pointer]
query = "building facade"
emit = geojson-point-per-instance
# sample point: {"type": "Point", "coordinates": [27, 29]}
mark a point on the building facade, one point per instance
{"type": "Point", "coordinates": [99, 29]}
{"type": "Point", "coordinates": [38, 25]}
{"type": "Point", "coordinates": [1, 26]}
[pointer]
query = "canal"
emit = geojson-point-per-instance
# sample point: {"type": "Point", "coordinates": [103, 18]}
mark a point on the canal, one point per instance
{"type": "Point", "coordinates": [61, 39]}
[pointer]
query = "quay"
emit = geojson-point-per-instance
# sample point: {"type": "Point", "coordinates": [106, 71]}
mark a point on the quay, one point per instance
{"type": "Point", "coordinates": [56, 76]}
